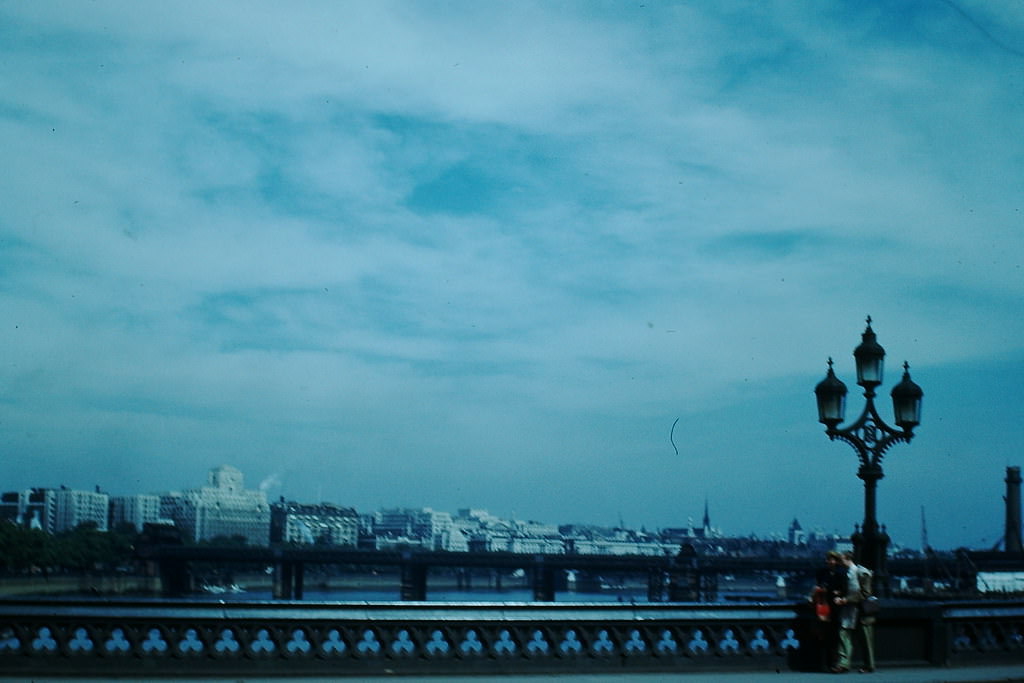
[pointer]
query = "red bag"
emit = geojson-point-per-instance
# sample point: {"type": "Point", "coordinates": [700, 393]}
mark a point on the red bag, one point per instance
{"type": "Point", "coordinates": [821, 606]}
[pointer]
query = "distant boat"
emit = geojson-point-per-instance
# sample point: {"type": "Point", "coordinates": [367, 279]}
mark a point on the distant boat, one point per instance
{"type": "Point", "coordinates": [215, 589]}
{"type": "Point", "coordinates": [612, 584]}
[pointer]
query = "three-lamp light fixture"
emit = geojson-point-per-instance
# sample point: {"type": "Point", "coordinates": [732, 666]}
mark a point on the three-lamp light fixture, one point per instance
{"type": "Point", "coordinates": [906, 396]}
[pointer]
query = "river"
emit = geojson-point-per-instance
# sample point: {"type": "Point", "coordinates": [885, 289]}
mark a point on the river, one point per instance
{"type": "Point", "coordinates": [365, 588]}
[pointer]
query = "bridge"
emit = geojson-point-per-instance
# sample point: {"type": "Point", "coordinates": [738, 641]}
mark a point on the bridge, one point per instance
{"type": "Point", "coordinates": [546, 571]}
{"type": "Point", "coordinates": [682, 577]}
{"type": "Point", "coordinates": [291, 637]}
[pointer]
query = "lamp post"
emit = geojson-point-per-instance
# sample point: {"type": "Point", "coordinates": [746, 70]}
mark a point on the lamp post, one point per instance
{"type": "Point", "coordinates": [870, 437]}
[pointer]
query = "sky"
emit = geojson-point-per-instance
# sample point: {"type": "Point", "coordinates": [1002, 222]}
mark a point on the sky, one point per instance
{"type": "Point", "coordinates": [564, 261]}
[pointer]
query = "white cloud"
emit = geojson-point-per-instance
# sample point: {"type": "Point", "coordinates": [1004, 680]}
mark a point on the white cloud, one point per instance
{"type": "Point", "coordinates": [379, 230]}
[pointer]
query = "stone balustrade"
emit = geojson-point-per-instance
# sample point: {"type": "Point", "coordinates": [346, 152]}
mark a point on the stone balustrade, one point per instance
{"type": "Point", "coordinates": [156, 637]}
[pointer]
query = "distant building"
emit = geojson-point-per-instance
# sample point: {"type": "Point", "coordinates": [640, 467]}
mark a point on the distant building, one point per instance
{"type": "Point", "coordinates": [423, 527]}
{"type": "Point", "coordinates": [55, 510]}
{"type": "Point", "coordinates": [594, 540]}
{"type": "Point", "coordinates": [796, 533]}
{"type": "Point", "coordinates": [324, 523]}
{"type": "Point", "coordinates": [224, 509]}
{"type": "Point", "coordinates": [457, 541]}
{"type": "Point", "coordinates": [481, 531]}
{"type": "Point", "coordinates": [526, 537]}
{"type": "Point", "coordinates": [506, 537]}
{"type": "Point", "coordinates": [400, 543]}
{"type": "Point", "coordinates": [74, 508]}
{"type": "Point", "coordinates": [705, 535]}
{"type": "Point", "coordinates": [33, 509]}
{"type": "Point", "coordinates": [477, 516]}
{"type": "Point", "coordinates": [136, 510]}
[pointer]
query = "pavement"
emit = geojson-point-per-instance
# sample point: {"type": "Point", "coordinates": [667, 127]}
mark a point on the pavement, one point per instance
{"type": "Point", "coordinates": [974, 674]}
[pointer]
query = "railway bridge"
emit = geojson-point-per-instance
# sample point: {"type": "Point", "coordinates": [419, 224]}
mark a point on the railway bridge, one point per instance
{"type": "Point", "coordinates": [685, 576]}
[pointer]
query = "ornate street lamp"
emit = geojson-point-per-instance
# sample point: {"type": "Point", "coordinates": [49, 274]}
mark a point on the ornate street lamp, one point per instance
{"type": "Point", "coordinates": [870, 436]}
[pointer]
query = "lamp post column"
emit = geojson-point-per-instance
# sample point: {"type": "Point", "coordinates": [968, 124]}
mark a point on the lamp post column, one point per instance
{"type": "Point", "coordinates": [870, 475]}
{"type": "Point", "coordinates": [872, 551]}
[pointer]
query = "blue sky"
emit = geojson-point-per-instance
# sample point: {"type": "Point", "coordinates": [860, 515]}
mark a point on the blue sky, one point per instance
{"type": "Point", "coordinates": [486, 254]}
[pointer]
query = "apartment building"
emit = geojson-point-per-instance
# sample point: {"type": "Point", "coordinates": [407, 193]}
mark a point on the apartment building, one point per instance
{"type": "Point", "coordinates": [136, 510]}
{"type": "Point", "coordinates": [322, 523]}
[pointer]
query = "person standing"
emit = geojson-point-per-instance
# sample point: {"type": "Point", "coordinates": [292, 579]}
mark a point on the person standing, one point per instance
{"type": "Point", "coordinates": [826, 612]}
{"type": "Point", "coordinates": [855, 589]}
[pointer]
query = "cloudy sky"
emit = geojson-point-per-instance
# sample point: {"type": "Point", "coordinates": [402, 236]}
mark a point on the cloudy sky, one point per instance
{"type": "Point", "coordinates": [482, 254]}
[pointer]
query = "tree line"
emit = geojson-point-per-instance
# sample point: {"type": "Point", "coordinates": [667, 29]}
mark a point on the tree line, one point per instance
{"type": "Point", "coordinates": [84, 548]}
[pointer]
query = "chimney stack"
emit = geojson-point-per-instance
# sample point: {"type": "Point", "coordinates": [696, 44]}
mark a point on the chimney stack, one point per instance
{"type": "Point", "coordinates": [1012, 536]}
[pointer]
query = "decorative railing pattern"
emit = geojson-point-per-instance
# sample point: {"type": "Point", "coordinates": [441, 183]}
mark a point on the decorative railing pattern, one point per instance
{"type": "Point", "coordinates": [352, 640]}
{"type": "Point", "coordinates": [985, 631]}
{"type": "Point", "coordinates": [121, 637]}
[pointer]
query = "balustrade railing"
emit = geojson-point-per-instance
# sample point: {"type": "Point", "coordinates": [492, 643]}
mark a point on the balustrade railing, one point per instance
{"type": "Point", "coordinates": [266, 638]}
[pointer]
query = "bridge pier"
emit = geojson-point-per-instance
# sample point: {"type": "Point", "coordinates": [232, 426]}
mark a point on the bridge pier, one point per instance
{"type": "Point", "coordinates": [682, 587]}
{"type": "Point", "coordinates": [175, 579]}
{"type": "Point", "coordinates": [300, 575]}
{"type": "Point", "coordinates": [655, 585]}
{"type": "Point", "coordinates": [288, 583]}
{"type": "Point", "coordinates": [708, 586]}
{"type": "Point", "coordinates": [543, 583]}
{"type": "Point", "coordinates": [283, 581]}
{"type": "Point", "coordinates": [414, 581]}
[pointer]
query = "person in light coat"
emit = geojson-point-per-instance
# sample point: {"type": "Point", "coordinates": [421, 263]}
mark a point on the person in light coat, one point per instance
{"type": "Point", "coordinates": [855, 590]}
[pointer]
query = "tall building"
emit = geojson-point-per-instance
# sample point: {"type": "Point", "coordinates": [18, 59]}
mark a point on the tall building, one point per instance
{"type": "Point", "coordinates": [224, 509]}
{"type": "Point", "coordinates": [135, 510]}
{"type": "Point", "coordinates": [1012, 534]}
{"type": "Point", "coordinates": [325, 523]}
{"type": "Point", "coordinates": [797, 536]}
{"type": "Point", "coordinates": [74, 508]}
{"type": "Point", "coordinates": [55, 510]}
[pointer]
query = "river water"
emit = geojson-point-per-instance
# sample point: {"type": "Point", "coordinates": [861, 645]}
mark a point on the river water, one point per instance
{"type": "Point", "coordinates": [477, 595]}
{"type": "Point", "coordinates": [381, 589]}
{"type": "Point", "coordinates": [482, 594]}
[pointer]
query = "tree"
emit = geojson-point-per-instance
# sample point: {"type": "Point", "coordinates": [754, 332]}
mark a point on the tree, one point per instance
{"type": "Point", "coordinates": [22, 548]}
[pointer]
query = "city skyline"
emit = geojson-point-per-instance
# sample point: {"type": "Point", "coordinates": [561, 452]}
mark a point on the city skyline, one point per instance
{"type": "Point", "coordinates": [574, 261]}
{"type": "Point", "coordinates": [703, 523]}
